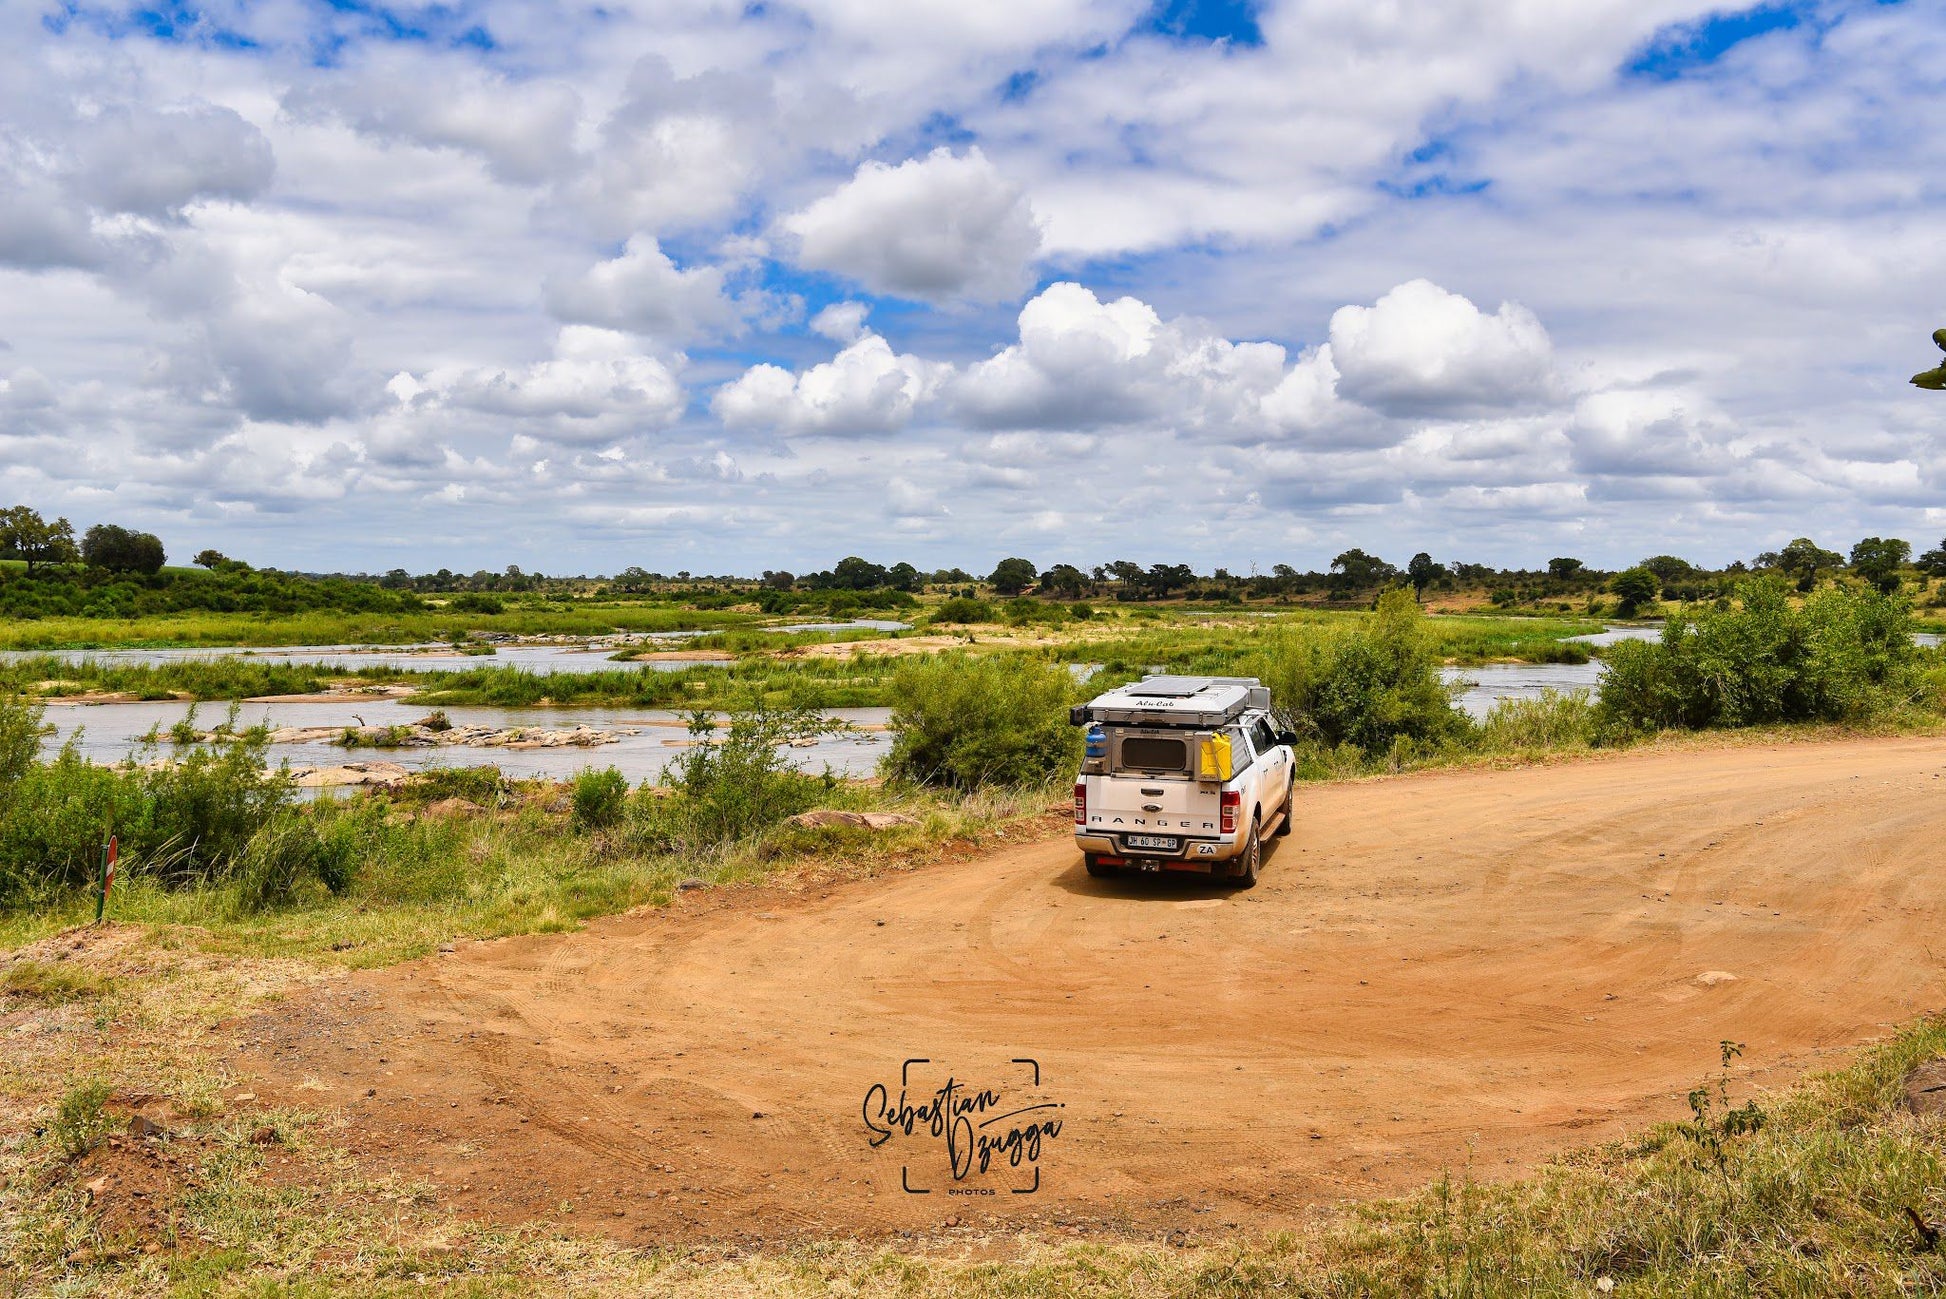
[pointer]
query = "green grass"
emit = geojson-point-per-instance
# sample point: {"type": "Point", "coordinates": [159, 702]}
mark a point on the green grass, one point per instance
{"type": "Point", "coordinates": [332, 628]}
{"type": "Point", "coordinates": [237, 677]}
{"type": "Point", "coordinates": [53, 984]}
{"type": "Point", "coordinates": [1221, 644]}
{"type": "Point", "coordinates": [519, 870]}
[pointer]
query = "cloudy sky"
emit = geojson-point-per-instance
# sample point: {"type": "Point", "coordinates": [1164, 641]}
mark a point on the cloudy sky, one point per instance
{"type": "Point", "coordinates": [727, 286]}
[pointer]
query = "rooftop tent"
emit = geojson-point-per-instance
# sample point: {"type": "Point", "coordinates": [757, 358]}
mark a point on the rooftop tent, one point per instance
{"type": "Point", "coordinates": [1175, 701]}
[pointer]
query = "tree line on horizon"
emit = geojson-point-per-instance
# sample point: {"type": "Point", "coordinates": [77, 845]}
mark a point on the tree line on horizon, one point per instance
{"type": "Point", "coordinates": [115, 551]}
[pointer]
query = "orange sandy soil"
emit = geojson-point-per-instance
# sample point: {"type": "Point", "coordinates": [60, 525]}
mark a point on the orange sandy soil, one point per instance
{"type": "Point", "coordinates": [1469, 967]}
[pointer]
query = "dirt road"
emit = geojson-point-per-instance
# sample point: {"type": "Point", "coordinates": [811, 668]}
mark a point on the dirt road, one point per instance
{"type": "Point", "coordinates": [1500, 963]}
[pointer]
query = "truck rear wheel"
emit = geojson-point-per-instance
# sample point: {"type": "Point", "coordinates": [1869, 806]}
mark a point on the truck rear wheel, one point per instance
{"type": "Point", "coordinates": [1244, 873]}
{"type": "Point", "coordinates": [1098, 868]}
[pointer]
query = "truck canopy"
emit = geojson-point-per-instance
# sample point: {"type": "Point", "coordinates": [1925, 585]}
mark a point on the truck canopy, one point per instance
{"type": "Point", "coordinates": [1200, 702]}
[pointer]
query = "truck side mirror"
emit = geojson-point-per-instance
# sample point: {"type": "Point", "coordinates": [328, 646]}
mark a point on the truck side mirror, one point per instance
{"type": "Point", "coordinates": [1287, 737]}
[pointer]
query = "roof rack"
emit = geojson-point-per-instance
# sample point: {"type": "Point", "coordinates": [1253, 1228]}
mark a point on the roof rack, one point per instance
{"type": "Point", "coordinates": [1175, 701]}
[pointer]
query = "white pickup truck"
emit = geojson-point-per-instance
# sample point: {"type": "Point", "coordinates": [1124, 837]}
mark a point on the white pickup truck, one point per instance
{"type": "Point", "coordinates": [1182, 773]}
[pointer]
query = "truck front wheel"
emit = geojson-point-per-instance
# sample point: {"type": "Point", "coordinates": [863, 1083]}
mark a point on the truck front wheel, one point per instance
{"type": "Point", "coordinates": [1290, 808]}
{"type": "Point", "coordinates": [1244, 873]}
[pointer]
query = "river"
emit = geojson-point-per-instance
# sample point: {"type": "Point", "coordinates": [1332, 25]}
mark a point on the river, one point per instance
{"type": "Point", "coordinates": [110, 732]}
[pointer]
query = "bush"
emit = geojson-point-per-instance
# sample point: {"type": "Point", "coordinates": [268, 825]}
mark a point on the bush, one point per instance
{"type": "Point", "coordinates": [600, 797]}
{"type": "Point", "coordinates": [482, 785]}
{"type": "Point", "coordinates": [286, 854]}
{"type": "Point", "coordinates": [973, 722]}
{"type": "Point", "coordinates": [21, 730]}
{"type": "Point", "coordinates": [1377, 689]}
{"type": "Point", "coordinates": [475, 602]}
{"type": "Point", "coordinates": [1844, 655]}
{"type": "Point", "coordinates": [81, 1121]}
{"type": "Point", "coordinates": [1021, 611]}
{"type": "Point", "coordinates": [961, 609]}
{"type": "Point", "coordinates": [1555, 719]}
{"type": "Point", "coordinates": [731, 787]}
{"type": "Point", "coordinates": [186, 821]}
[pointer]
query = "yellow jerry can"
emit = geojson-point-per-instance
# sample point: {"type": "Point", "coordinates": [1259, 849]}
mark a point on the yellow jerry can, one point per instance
{"type": "Point", "coordinates": [1215, 757]}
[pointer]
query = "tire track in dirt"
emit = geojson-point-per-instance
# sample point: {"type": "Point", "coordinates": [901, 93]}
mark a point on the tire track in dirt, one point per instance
{"type": "Point", "coordinates": [1445, 969]}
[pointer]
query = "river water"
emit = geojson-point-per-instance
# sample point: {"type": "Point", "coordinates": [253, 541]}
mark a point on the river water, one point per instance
{"type": "Point", "coordinates": [111, 732]}
{"type": "Point", "coordinates": [579, 657]}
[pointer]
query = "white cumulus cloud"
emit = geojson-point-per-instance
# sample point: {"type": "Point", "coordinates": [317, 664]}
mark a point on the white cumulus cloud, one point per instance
{"type": "Point", "coordinates": [867, 388]}
{"type": "Point", "coordinates": [596, 387]}
{"type": "Point", "coordinates": [1421, 349]}
{"type": "Point", "coordinates": [646, 293]}
{"type": "Point", "coordinates": [935, 228]}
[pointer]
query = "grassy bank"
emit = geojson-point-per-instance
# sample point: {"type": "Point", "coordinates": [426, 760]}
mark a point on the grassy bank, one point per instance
{"type": "Point", "coordinates": [326, 627]}
{"type": "Point", "coordinates": [518, 867]}
{"type": "Point", "coordinates": [1222, 644]}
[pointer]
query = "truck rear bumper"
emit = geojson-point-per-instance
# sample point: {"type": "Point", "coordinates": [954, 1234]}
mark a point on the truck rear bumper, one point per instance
{"type": "Point", "coordinates": [1192, 853]}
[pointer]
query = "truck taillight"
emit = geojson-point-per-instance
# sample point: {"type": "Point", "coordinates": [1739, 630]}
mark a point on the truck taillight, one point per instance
{"type": "Point", "coordinates": [1232, 804]}
{"type": "Point", "coordinates": [1080, 803]}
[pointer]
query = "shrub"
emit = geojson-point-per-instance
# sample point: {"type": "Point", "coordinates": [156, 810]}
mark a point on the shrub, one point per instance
{"type": "Point", "coordinates": [973, 722]}
{"type": "Point", "coordinates": [1555, 719]}
{"type": "Point", "coordinates": [1844, 655]}
{"type": "Point", "coordinates": [81, 1121]}
{"type": "Point", "coordinates": [475, 602]}
{"type": "Point", "coordinates": [600, 797]}
{"type": "Point", "coordinates": [962, 609]}
{"type": "Point", "coordinates": [482, 785]}
{"type": "Point", "coordinates": [21, 730]}
{"type": "Point", "coordinates": [735, 785]}
{"type": "Point", "coordinates": [199, 811]}
{"type": "Point", "coordinates": [278, 860]}
{"type": "Point", "coordinates": [184, 821]}
{"type": "Point", "coordinates": [1375, 689]}
{"type": "Point", "coordinates": [53, 820]}
{"type": "Point", "coordinates": [1021, 611]}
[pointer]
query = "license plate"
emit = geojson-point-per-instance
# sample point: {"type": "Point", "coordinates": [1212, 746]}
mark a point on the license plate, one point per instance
{"type": "Point", "coordinates": [1150, 841]}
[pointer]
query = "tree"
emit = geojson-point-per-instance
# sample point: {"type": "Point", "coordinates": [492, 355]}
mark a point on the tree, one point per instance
{"type": "Point", "coordinates": [1013, 575]}
{"type": "Point", "coordinates": [1934, 378]}
{"type": "Point", "coordinates": [1562, 570]}
{"type": "Point", "coordinates": [903, 577]}
{"type": "Point", "coordinates": [1636, 587]}
{"type": "Point", "coordinates": [778, 579]}
{"type": "Point", "coordinates": [1934, 561]}
{"type": "Point", "coordinates": [1670, 568]}
{"type": "Point", "coordinates": [210, 559]}
{"type": "Point", "coordinates": [854, 574]}
{"type": "Point", "coordinates": [1879, 559]}
{"type": "Point", "coordinates": [1804, 559]}
{"type": "Point", "coordinates": [1354, 570]}
{"type": "Point", "coordinates": [24, 534]}
{"type": "Point", "coordinates": [1164, 578]}
{"type": "Point", "coordinates": [634, 579]}
{"type": "Point", "coordinates": [119, 550]}
{"type": "Point", "coordinates": [1423, 572]}
{"type": "Point", "coordinates": [1064, 579]}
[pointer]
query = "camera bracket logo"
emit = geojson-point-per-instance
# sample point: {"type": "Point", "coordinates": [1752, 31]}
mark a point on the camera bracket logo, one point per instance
{"type": "Point", "coordinates": [963, 1139]}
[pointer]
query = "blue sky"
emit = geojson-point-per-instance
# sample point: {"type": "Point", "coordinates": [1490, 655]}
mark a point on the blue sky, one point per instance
{"type": "Point", "coordinates": [335, 284]}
